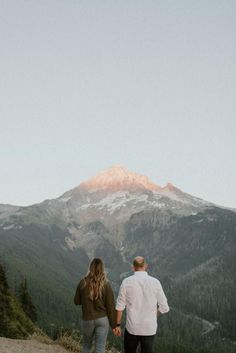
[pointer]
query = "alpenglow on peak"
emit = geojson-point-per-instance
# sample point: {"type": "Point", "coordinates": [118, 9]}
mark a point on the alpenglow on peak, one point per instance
{"type": "Point", "coordinates": [119, 178]}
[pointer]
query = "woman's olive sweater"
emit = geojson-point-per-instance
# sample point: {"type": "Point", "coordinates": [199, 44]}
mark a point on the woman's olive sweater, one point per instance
{"type": "Point", "coordinates": [96, 309]}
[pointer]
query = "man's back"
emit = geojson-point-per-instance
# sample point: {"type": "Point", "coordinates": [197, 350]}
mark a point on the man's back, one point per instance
{"type": "Point", "coordinates": [140, 294]}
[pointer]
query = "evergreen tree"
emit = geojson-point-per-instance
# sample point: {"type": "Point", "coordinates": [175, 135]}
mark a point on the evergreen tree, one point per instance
{"type": "Point", "coordinates": [3, 281]}
{"type": "Point", "coordinates": [4, 301]}
{"type": "Point", "coordinates": [26, 301]}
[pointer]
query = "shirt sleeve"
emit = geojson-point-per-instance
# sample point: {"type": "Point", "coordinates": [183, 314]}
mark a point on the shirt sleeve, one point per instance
{"type": "Point", "coordinates": [77, 297]}
{"type": "Point", "coordinates": [121, 300]}
{"type": "Point", "coordinates": [163, 306]}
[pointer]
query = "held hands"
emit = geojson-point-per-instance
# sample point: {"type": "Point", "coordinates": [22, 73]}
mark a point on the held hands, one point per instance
{"type": "Point", "coordinates": [117, 331]}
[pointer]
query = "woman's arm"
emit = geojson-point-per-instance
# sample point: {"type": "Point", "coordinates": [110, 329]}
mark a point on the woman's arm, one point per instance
{"type": "Point", "coordinates": [110, 305]}
{"type": "Point", "coordinates": [77, 297]}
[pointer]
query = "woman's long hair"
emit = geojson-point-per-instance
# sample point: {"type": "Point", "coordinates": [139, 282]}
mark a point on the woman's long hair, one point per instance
{"type": "Point", "coordinates": [96, 279]}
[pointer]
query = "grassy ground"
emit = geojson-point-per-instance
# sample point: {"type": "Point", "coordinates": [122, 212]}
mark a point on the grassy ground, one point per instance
{"type": "Point", "coordinates": [70, 341]}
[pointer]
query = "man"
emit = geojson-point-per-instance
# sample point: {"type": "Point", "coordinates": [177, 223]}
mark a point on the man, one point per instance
{"type": "Point", "coordinates": [143, 298]}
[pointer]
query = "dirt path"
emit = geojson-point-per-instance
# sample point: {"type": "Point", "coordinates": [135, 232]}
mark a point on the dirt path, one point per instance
{"type": "Point", "coordinates": [28, 346]}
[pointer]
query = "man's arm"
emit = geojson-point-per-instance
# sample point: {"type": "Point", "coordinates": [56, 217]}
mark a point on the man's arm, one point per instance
{"type": "Point", "coordinates": [118, 316]}
{"type": "Point", "coordinates": [163, 306]}
{"type": "Point", "coordinates": [121, 299]}
{"type": "Point", "coordinates": [117, 330]}
{"type": "Point", "coordinates": [120, 306]}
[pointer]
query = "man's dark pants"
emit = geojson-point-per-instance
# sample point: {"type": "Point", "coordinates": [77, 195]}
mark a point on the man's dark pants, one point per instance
{"type": "Point", "coordinates": [131, 343]}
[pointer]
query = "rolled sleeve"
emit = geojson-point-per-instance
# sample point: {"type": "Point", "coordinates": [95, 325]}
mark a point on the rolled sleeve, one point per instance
{"type": "Point", "coordinates": [163, 306]}
{"type": "Point", "coordinates": [121, 300]}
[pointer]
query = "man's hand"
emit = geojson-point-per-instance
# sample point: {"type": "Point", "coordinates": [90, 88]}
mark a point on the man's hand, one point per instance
{"type": "Point", "coordinates": [117, 331]}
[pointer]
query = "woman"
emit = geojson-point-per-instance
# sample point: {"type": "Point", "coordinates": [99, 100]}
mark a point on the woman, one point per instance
{"type": "Point", "coordinates": [95, 295]}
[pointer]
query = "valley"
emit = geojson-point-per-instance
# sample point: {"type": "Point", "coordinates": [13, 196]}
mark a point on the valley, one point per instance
{"type": "Point", "coordinates": [189, 245]}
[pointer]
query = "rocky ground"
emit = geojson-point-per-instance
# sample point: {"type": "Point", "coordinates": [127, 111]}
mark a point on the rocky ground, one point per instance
{"type": "Point", "coordinates": [28, 346]}
{"type": "Point", "coordinates": [34, 345]}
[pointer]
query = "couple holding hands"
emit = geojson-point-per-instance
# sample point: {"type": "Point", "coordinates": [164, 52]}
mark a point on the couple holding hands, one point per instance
{"type": "Point", "coordinates": [140, 295]}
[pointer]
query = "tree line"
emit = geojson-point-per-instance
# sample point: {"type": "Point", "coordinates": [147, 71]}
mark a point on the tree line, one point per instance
{"type": "Point", "coordinates": [17, 311]}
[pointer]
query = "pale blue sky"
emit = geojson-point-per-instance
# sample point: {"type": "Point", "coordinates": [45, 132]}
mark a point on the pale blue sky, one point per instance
{"type": "Point", "coordinates": [147, 84]}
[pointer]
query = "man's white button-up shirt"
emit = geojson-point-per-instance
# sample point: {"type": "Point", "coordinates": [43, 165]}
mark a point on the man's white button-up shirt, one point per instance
{"type": "Point", "coordinates": [141, 294]}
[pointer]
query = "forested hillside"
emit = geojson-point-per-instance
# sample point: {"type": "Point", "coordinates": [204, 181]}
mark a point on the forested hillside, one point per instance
{"type": "Point", "coordinates": [188, 243]}
{"type": "Point", "coordinates": [14, 321]}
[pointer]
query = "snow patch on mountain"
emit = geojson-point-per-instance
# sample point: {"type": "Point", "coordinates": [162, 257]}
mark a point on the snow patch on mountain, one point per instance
{"type": "Point", "coordinates": [117, 200]}
{"type": "Point", "coordinates": [64, 199]}
{"type": "Point", "coordinates": [11, 226]}
{"type": "Point", "coordinates": [124, 199]}
{"type": "Point", "coordinates": [71, 244]}
{"type": "Point", "coordinates": [113, 202]}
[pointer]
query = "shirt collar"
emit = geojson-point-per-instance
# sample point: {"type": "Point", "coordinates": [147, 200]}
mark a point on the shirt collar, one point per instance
{"type": "Point", "coordinates": [140, 273]}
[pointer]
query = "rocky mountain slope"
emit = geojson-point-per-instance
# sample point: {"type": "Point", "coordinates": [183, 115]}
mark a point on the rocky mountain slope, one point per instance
{"type": "Point", "coordinates": [189, 243]}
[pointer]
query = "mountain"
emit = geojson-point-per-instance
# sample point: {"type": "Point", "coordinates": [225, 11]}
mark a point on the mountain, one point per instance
{"type": "Point", "coordinates": [189, 244]}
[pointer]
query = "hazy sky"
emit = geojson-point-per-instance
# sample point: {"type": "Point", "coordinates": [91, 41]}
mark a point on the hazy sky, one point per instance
{"type": "Point", "coordinates": [147, 84]}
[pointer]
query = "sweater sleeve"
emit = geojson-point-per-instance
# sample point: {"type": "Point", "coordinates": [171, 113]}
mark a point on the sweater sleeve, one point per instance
{"type": "Point", "coordinates": [110, 305]}
{"type": "Point", "coordinates": [77, 297]}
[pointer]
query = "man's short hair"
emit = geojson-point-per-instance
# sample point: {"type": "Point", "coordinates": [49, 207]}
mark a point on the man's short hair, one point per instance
{"type": "Point", "coordinates": [139, 261]}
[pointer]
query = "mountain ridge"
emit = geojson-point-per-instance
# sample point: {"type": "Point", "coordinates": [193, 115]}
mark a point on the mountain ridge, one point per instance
{"type": "Point", "coordinates": [187, 241]}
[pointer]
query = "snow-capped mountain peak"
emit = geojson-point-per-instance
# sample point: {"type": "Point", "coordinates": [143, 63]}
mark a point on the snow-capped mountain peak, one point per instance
{"type": "Point", "coordinates": [116, 193]}
{"type": "Point", "coordinates": [119, 178]}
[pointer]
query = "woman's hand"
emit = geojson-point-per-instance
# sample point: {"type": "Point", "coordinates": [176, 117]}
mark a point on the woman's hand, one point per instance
{"type": "Point", "coordinates": [117, 331]}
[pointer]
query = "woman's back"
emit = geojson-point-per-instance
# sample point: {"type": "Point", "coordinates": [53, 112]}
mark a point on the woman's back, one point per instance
{"type": "Point", "coordinates": [100, 307]}
{"type": "Point", "coordinates": [95, 295]}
